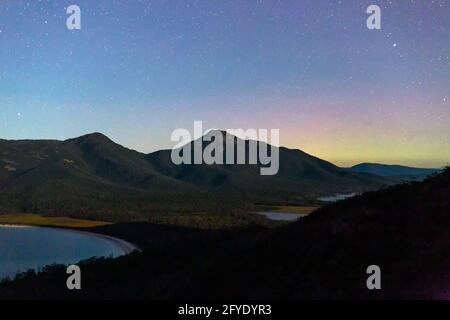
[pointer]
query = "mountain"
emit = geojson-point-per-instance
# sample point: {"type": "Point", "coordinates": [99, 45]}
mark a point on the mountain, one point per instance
{"type": "Point", "coordinates": [90, 176]}
{"type": "Point", "coordinates": [93, 177]}
{"type": "Point", "coordinates": [386, 170]}
{"type": "Point", "coordinates": [301, 177]}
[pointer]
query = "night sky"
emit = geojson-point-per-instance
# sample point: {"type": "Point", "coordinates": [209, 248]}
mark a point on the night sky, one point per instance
{"type": "Point", "coordinates": [137, 70]}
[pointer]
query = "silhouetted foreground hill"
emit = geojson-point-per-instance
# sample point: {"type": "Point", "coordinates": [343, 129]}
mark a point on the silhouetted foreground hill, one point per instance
{"type": "Point", "coordinates": [93, 177]}
{"type": "Point", "coordinates": [405, 230]}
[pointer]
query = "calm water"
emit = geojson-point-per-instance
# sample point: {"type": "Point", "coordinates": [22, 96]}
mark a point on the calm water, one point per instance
{"type": "Point", "coordinates": [23, 248]}
{"type": "Point", "coordinates": [280, 216]}
{"type": "Point", "coordinates": [337, 197]}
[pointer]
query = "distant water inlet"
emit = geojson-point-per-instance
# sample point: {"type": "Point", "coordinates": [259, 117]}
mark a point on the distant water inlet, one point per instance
{"type": "Point", "coordinates": [337, 197]}
{"type": "Point", "coordinates": [281, 216]}
{"type": "Point", "coordinates": [24, 248]}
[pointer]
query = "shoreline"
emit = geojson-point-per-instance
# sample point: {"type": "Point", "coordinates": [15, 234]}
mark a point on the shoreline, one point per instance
{"type": "Point", "coordinates": [125, 246]}
{"type": "Point", "coordinates": [6, 225]}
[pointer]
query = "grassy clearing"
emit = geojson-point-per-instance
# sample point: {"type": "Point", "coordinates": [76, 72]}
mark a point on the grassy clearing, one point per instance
{"type": "Point", "coordinates": [289, 209]}
{"type": "Point", "coordinates": [39, 220]}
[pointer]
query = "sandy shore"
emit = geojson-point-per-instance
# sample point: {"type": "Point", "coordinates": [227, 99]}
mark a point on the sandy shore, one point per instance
{"type": "Point", "coordinates": [14, 226]}
{"type": "Point", "coordinates": [125, 246]}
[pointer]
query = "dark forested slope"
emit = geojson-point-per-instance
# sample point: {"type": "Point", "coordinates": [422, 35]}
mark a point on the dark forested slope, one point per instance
{"type": "Point", "coordinates": [404, 229]}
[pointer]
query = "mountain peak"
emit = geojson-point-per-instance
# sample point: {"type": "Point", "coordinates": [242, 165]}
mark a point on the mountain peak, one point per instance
{"type": "Point", "coordinates": [215, 132]}
{"type": "Point", "coordinates": [92, 137]}
{"type": "Point", "coordinates": [96, 135]}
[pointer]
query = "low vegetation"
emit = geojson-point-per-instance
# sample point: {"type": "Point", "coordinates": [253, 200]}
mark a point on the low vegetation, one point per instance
{"type": "Point", "coordinates": [212, 221]}
{"type": "Point", "coordinates": [39, 220]}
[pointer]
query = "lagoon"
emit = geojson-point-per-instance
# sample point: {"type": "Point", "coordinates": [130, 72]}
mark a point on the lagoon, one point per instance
{"type": "Point", "coordinates": [337, 197]}
{"type": "Point", "coordinates": [26, 247]}
{"type": "Point", "coordinates": [281, 216]}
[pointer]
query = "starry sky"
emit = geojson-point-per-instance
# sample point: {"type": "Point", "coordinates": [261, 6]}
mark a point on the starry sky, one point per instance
{"type": "Point", "coordinates": [138, 69]}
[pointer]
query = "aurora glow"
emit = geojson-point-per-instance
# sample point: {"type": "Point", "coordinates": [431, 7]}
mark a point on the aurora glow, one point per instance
{"type": "Point", "coordinates": [139, 69]}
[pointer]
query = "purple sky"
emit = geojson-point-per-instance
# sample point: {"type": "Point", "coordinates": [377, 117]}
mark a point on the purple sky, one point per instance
{"type": "Point", "coordinates": [137, 70]}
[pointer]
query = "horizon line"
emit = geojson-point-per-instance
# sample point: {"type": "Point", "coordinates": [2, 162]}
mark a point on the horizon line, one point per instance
{"type": "Point", "coordinates": [221, 130]}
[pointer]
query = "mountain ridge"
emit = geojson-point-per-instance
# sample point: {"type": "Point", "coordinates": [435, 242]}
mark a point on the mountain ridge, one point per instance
{"type": "Point", "coordinates": [93, 175]}
{"type": "Point", "coordinates": [387, 170]}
